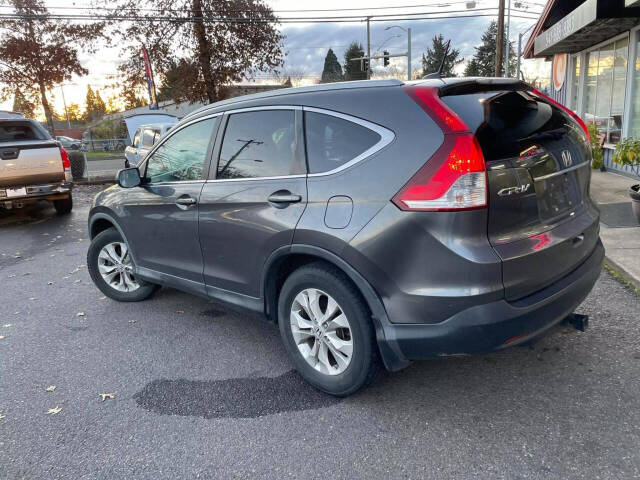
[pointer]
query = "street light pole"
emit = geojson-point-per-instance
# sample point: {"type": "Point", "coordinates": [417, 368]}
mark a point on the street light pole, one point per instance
{"type": "Point", "coordinates": [368, 50]}
{"type": "Point", "coordinates": [520, 36]}
{"type": "Point", "coordinates": [408, 32]}
{"type": "Point", "coordinates": [409, 53]}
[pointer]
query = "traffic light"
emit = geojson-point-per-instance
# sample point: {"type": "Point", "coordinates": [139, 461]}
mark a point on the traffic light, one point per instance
{"type": "Point", "coordinates": [386, 58]}
{"type": "Point", "coordinates": [364, 64]}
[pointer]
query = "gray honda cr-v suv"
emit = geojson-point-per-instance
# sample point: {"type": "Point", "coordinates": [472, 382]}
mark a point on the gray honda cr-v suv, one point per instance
{"type": "Point", "coordinates": [375, 222]}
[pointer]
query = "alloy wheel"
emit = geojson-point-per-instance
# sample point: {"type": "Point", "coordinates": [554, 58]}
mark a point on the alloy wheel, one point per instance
{"type": "Point", "coordinates": [321, 331]}
{"type": "Point", "coordinates": [115, 267]}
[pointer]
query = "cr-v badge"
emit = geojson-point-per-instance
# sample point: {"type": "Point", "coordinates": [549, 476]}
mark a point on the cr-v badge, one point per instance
{"type": "Point", "coordinates": [512, 190]}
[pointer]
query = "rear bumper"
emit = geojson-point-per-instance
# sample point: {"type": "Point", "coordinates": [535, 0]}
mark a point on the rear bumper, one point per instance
{"type": "Point", "coordinates": [48, 191]}
{"type": "Point", "coordinates": [494, 325]}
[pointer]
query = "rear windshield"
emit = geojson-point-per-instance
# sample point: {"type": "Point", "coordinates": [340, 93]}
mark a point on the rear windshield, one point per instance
{"type": "Point", "coordinates": [21, 130]}
{"type": "Point", "coordinates": [507, 122]}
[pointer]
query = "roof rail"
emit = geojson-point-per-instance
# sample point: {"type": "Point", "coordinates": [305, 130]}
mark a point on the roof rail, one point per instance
{"type": "Point", "coordinates": [288, 91]}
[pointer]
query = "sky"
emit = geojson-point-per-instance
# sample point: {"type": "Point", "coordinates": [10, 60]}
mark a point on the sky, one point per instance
{"type": "Point", "coordinates": [306, 44]}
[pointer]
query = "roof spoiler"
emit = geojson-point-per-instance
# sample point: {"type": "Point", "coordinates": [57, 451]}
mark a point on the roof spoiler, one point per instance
{"type": "Point", "coordinates": [478, 85]}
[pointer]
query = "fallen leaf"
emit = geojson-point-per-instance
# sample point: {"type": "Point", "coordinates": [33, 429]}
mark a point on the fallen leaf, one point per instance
{"type": "Point", "coordinates": [54, 411]}
{"type": "Point", "coordinates": [77, 281]}
{"type": "Point", "coordinates": [104, 396]}
{"type": "Point", "coordinates": [132, 321]}
{"type": "Point", "coordinates": [80, 314]}
{"type": "Point", "coordinates": [49, 283]}
{"type": "Point", "coordinates": [2, 416]}
{"type": "Point", "coordinates": [179, 311]}
{"type": "Point", "coordinates": [12, 275]}
{"type": "Point", "coordinates": [103, 298]}
{"type": "Point", "coordinates": [32, 298]}
{"type": "Point", "coordinates": [2, 337]}
{"type": "Point", "coordinates": [45, 233]}
{"type": "Point", "coordinates": [7, 325]}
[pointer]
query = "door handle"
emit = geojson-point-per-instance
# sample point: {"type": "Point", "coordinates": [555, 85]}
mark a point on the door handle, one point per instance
{"type": "Point", "coordinates": [186, 201]}
{"type": "Point", "coordinates": [284, 197]}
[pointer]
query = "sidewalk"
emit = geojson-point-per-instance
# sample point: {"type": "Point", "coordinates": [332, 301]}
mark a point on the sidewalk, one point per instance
{"type": "Point", "coordinates": [620, 238]}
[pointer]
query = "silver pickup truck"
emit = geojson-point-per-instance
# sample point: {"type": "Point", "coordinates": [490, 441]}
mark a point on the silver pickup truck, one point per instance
{"type": "Point", "coordinates": [33, 166]}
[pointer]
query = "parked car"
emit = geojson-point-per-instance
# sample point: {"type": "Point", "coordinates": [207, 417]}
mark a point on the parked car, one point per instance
{"type": "Point", "coordinates": [373, 221]}
{"type": "Point", "coordinates": [33, 166]}
{"type": "Point", "coordinates": [144, 139]}
{"type": "Point", "coordinates": [70, 143]}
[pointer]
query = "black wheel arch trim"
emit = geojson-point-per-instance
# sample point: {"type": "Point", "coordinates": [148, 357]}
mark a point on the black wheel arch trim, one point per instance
{"type": "Point", "coordinates": [101, 215]}
{"type": "Point", "coordinates": [390, 352]}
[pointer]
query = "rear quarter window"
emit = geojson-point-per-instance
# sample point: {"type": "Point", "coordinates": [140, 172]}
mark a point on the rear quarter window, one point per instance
{"type": "Point", "coordinates": [332, 141]}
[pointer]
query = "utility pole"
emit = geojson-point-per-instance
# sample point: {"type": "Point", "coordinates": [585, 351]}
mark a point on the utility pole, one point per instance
{"type": "Point", "coordinates": [64, 102]}
{"type": "Point", "coordinates": [368, 49]}
{"type": "Point", "coordinates": [409, 53]}
{"type": "Point", "coordinates": [500, 40]}
{"type": "Point", "coordinates": [506, 62]}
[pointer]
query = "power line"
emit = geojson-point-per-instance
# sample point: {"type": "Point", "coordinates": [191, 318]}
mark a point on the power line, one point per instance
{"type": "Point", "coordinates": [336, 19]}
{"type": "Point", "coordinates": [186, 10]}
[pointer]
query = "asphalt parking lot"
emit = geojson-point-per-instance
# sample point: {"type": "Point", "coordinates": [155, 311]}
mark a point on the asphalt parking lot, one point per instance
{"type": "Point", "coordinates": [200, 391]}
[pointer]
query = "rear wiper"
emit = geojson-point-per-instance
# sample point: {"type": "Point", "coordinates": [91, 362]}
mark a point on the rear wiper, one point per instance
{"type": "Point", "coordinates": [556, 134]}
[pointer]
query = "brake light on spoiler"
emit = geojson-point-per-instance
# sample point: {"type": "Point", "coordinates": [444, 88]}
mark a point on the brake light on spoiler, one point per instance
{"type": "Point", "coordinates": [455, 177]}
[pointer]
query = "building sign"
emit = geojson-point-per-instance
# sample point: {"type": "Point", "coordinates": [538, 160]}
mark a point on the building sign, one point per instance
{"type": "Point", "coordinates": [567, 26]}
{"type": "Point", "coordinates": [559, 70]}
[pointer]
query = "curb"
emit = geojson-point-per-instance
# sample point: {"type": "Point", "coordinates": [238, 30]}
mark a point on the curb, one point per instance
{"type": "Point", "coordinates": [633, 281]}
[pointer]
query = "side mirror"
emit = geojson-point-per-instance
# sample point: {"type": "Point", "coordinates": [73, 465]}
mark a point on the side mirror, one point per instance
{"type": "Point", "coordinates": [129, 177]}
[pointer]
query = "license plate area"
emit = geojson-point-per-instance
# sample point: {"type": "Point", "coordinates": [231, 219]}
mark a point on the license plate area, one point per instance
{"type": "Point", "coordinates": [16, 192]}
{"type": "Point", "coordinates": [557, 195]}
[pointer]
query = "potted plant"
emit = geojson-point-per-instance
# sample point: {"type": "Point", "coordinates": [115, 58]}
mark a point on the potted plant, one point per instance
{"type": "Point", "coordinates": [627, 152]}
{"type": "Point", "coordinates": [596, 149]}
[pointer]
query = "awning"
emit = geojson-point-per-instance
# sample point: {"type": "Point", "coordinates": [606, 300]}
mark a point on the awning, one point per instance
{"type": "Point", "coordinates": [592, 22]}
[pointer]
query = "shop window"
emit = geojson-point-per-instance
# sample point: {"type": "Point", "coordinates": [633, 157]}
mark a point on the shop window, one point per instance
{"type": "Point", "coordinates": [605, 88]}
{"type": "Point", "coordinates": [576, 68]}
{"type": "Point", "coordinates": [635, 94]}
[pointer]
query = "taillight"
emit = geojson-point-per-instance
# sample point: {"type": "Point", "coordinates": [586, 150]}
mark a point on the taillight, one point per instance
{"type": "Point", "coordinates": [565, 109]}
{"type": "Point", "coordinates": [455, 177]}
{"type": "Point", "coordinates": [65, 158]}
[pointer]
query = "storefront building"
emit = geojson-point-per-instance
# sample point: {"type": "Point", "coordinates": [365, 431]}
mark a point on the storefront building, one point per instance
{"type": "Point", "coordinates": [595, 49]}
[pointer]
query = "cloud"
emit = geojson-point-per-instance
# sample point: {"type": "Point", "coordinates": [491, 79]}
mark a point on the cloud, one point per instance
{"type": "Point", "coordinates": [307, 45]}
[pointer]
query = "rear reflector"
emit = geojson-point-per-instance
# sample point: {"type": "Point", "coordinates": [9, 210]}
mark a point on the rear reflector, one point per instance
{"type": "Point", "coordinates": [65, 158]}
{"type": "Point", "coordinates": [455, 177]}
{"type": "Point", "coordinates": [565, 109]}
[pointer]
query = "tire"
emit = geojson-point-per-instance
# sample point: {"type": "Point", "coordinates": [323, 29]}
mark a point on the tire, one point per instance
{"type": "Point", "coordinates": [64, 206]}
{"type": "Point", "coordinates": [364, 363]}
{"type": "Point", "coordinates": [76, 159]}
{"type": "Point", "coordinates": [94, 260]}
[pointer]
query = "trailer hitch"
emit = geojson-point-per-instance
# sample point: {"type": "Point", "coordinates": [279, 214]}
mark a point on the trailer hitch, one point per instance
{"type": "Point", "coordinates": [577, 321]}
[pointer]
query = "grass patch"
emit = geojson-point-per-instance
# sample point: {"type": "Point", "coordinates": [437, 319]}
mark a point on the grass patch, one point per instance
{"type": "Point", "coordinates": [620, 279]}
{"type": "Point", "coordinates": [104, 155]}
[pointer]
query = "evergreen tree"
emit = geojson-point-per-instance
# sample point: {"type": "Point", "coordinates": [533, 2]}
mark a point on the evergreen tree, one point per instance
{"type": "Point", "coordinates": [483, 63]}
{"type": "Point", "coordinates": [332, 71]}
{"type": "Point", "coordinates": [95, 107]}
{"type": "Point", "coordinates": [170, 88]}
{"type": "Point", "coordinates": [352, 70]}
{"type": "Point", "coordinates": [22, 105]}
{"type": "Point", "coordinates": [433, 57]}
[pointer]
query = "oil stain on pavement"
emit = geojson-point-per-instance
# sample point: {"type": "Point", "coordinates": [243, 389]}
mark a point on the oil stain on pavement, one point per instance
{"type": "Point", "coordinates": [232, 398]}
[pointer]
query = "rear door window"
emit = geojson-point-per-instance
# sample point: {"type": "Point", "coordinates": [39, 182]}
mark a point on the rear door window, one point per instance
{"type": "Point", "coordinates": [333, 141]}
{"type": "Point", "coordinates": [261, 143]}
